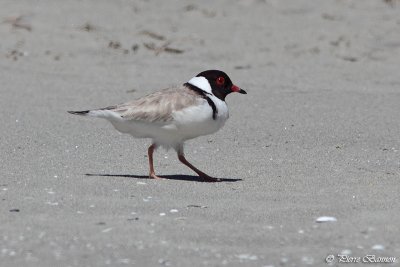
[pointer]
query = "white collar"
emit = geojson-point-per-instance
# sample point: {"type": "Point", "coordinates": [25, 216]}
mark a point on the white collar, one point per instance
{"type": "Point", "coordinates": [201, 83]}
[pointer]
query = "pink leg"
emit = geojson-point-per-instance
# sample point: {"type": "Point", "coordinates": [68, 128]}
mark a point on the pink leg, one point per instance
{"type": "Point", "coordinates": [152, 173]}
{"type": "Point", "coordinates": [202, 175]}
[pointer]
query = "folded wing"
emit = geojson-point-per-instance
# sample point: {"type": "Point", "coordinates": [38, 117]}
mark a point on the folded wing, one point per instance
{"type": "Point", "coordinates": [158, 106]}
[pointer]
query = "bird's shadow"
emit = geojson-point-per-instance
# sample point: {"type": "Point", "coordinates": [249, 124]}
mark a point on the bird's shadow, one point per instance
{"type": "Point", "coordinates": [190, 178]}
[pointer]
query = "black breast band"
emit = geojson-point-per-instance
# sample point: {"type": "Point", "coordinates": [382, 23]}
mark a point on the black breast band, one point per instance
{"type": "Point", "coordinates": [205, 95]}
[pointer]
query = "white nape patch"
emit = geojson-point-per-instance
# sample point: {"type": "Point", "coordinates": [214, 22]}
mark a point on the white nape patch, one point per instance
{"type": "Point", "coordinates": [201, 83]}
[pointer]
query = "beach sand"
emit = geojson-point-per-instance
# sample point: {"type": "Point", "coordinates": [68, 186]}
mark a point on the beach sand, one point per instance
{"type": "Point", "coordinates": [316, 135]}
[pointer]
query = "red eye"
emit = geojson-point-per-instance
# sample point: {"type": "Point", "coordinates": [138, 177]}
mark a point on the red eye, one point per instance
{"type": "Point", "coordinates": [220, 80]}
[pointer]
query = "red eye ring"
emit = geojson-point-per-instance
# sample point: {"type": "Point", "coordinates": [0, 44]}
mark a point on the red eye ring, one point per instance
{"type": "Point", "coordinates": [220, 80]}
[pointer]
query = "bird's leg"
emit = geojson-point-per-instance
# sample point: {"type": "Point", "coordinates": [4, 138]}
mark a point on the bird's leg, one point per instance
{"type": "Point", "coordinates": [202, 175]}
{"type": "Point", "coordinates": [152, 173]}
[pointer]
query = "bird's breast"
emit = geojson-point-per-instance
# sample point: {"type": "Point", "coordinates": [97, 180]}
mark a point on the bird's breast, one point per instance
{"type": "Point", "coordinates": [198, 120]}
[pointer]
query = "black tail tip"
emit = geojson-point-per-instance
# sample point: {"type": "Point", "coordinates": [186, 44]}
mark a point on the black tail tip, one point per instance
{"type": "Point", "coordinates": [84, 112]}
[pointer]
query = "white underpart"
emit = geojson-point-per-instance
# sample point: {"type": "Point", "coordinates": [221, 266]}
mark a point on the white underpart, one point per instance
{"type": "Point", "coordinates": [197, 120]}
{"type": "Point", "coordinates": [188, 123]}
{"type": "Point", "coordinates": [201, 83]}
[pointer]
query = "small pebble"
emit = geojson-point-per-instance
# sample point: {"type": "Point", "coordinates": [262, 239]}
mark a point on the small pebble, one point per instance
{"type": "Point", "coordinates": [325, 219]}
{"type": "Point", "coordinates": [125, 261]}
{"type": "Point", "coordinates": [247, 257]}
{"type": "Point", "coordinates": [307, 260]}
{"type": "Point", "coordinates": [196, 206]}
{"type": "Point", "coordinates": [346, 252]}
{"type": "Point", "coordinates": [41, 235]}
{"type": "Point", "coordinates": [284, 260]}
{"type": "Point", "coordinates": [164, 262]}
{"type": "Point", "coordinates": [378, 247]}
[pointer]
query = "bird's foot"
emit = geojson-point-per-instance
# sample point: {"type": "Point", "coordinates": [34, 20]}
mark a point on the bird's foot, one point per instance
{"type": "Point", "coordinates": [154, 176]}
{"type": "Point", "coordinates": [210, 179]}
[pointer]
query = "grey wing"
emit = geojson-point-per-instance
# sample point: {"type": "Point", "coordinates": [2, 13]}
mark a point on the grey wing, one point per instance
{"type": "Point", "coordinates": [158, 106]}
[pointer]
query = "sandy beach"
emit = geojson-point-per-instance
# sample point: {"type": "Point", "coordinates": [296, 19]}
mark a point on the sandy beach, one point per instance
{"type": "Point", "coordinates": [316, 135]}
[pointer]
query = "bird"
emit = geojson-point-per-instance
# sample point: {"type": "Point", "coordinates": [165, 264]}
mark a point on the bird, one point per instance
{"type": "Point", "coordinates": [171, 116]}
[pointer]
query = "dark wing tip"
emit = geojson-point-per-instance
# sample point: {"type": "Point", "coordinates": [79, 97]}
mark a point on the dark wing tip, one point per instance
{"type": "Point", "coordinates": [84, 112]}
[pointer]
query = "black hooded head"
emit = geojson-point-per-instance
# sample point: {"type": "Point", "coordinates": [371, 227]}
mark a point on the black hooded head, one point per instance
{"type": "Point", "coordinates": [221, 84]}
